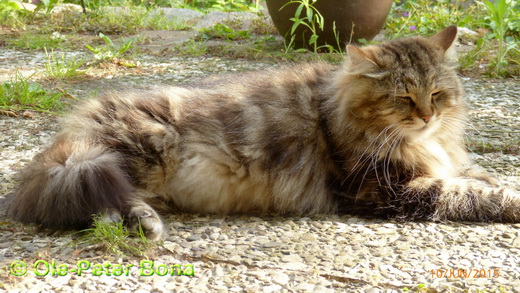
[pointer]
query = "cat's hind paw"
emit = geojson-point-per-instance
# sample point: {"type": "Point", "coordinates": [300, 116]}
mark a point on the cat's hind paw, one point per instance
{"type": "Point", "coordinates": [148, 220]}
{"type": "Point", "coordinates": [111, 216]}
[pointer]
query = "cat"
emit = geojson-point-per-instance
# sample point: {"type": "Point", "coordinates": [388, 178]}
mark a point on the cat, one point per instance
{"type": "Point", "coordinates": [383, 135]}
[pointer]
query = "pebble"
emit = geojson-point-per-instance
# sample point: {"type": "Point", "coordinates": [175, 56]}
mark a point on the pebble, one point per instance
{"type": "Point", "coordinates": [272, 288]}
{"type": "Point", "coordinates": [272, 244]}
{"type": "Point", "coordinates": [194, 237]}
{"type": "Point", "coordinates": [280, 278]}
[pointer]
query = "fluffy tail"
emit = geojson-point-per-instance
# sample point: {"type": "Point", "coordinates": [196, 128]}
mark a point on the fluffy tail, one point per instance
{"type": "Point", "coordinates": [68, 183]}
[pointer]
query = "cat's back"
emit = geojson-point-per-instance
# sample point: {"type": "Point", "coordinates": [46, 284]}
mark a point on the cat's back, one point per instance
{"type": "Point", "coordinates": [289, 82]}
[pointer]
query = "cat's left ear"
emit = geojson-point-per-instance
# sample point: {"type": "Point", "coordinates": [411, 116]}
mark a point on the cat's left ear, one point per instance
{"type": "Point", "coordinates": [362, 62]}
{"type": "Point", "coordinates": [445, 38]}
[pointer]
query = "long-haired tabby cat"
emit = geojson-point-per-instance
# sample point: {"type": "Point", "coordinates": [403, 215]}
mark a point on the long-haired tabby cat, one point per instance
{"type": "Point", "coordinates": [381, 135]}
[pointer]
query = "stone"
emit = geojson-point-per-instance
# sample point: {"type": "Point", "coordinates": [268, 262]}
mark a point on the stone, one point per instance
{"type": "Point", "coordinates": [280, 278]}
{"type": "Point", "coordinates": [272, 288]}
{"type": "Point", "coordinates": [180, 15]}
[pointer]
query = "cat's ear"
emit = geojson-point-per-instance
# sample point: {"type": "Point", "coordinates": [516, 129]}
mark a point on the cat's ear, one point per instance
{"type": "Point", "coordinates": [362, 61]}
{"type": "Point", "coordinates": [445, 38]}
{"type": "Point", "coordinates": [358, 57]}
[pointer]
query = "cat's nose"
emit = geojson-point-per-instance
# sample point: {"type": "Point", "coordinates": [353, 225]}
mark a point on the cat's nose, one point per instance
{"type": "Point", "coordinates": [427, 118]}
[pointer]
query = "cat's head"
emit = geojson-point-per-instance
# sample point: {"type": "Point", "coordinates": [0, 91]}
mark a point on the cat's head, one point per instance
{"type": "Point", "coordinates": [408, 84]}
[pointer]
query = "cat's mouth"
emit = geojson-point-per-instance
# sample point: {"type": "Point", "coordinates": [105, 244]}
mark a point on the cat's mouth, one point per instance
{"type": "Point", "coordinates": [425, 124]}
{"type": "Point", "coordinates": [416, 124]}
{"type": "Point", "coordinates": [421, 130]}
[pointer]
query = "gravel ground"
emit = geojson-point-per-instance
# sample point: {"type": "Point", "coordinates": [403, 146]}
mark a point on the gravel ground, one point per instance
{"type": "Point", "coordinates": [325, 253]}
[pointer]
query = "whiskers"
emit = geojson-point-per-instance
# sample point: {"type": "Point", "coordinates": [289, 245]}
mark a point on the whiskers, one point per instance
{"type": "Point", "coordinates": [456, 123]}
{"type": "Point", "coordinates": [378, 155]}
{"type": "Point", "coordinates": [462, 124]}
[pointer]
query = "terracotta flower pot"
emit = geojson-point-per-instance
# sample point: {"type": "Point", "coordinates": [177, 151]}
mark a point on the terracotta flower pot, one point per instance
{"type": "Point", "coordinates": [354, 20]}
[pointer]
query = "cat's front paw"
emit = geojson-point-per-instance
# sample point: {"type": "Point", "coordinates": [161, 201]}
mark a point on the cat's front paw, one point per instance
{"type": "Point", "coordinates": [145, 217]}
{"type": "Point", "coordinates": [481, 174]}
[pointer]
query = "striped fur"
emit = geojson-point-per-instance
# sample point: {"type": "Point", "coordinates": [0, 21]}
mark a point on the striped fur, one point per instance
{"type": "Point", "coordinates": [382, 134]}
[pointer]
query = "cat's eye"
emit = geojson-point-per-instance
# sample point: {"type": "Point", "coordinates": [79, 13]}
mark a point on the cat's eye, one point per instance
{"type": "Point", "coordinates": [436, 94]}
{"type": "Point", "coordinates": [407, 99]}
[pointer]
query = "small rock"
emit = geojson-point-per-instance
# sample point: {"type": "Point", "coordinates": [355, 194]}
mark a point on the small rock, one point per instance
{"type": "Point", "coordinates": [271, 244]}
{"type": "Point", "coordinates": [486, 263]}
{"type": "Point", "coordinates": [218, 271]}
{"type": "Point", "coordinates": [304, 287]}
{"type": "Point", "coordinates": [281, 278]}
{"type": "Point", "coordinates": [374, 243]}
{"type": "Point", "coordinates": [308, 237]}
{"type": "Point", "coordinates": [272, 288]}
{"type": "Point", "coordinates": [291, 258]}
{"type": "Point", "coordinates": [194, 237]}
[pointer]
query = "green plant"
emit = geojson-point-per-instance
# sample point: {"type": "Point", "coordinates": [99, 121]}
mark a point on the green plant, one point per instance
{"type": "Point", "coordinates": [115, 238]}
{"type": "Point", "coordinates": [31, 41]}
{"type": "Point", "coordinates": [426, 17]}
{"type": "Point", "coordinates": [110, 50]}
{"type": "Point", "coordinates": [220, 5]}
{"type": "Point", "coordinates": [11, 13]}
{"type": "Point", "coordinates": [105, 19]}
{"type": "Point", "coordinates": [63, 68]}
{"type": "Point", "coordinates": [308, 16]}
{"type": "Point", "coordinates": [193, 48]}
{"type": "Point", "coordinates": [502, 18]}
{"type": "Point", "coordinates": [468, 59]}
{"type": "Point", "coordinates": [48, 4]}
{"type": "Point", "coordinates": [157, 21]}
{"type": "Point", "coordinates": [312, 20]}
{"type": "Point", "coordinates": [20, 94]}
{"type": "Point", "coordinates": [262, 26]}
{"type": "Point", "coordinates": [223, 31]}
{"type": "Point", "coordinates": [97, 4]}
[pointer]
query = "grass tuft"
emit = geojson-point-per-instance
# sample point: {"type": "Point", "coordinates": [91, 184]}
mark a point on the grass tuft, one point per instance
{"type": "Point", "coordinates": [20, 94]}
{"type": "Point", "coordinates": [115, 238]}
{"type": "Point", "coordinates": [62, 68]}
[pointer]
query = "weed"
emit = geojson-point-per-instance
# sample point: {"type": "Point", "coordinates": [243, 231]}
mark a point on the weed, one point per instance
{"type": "Point", "coordinates": [310, 18]}
{"type": "Point", "coordinates": [97, 5]}
{"type": "Point", "coordinates": [48, 5]}
{"type": "Point", "coordinates": [12, 14]}
{"type": "Point", "coordinates": [419, 288]}
{"type": "Point", "coordinates": [125, 19]}
{"type": "Point", "coordinates": [262, 26]}
{"type": "Point", "coordinates": [20, 94]}
{"type": "Point", "coordinates": [426, 17]}
{"type": "Point", "coordinates": [501, 18]}
{"type": "Point", "coordinates": [470, 58]}
{"type": "Point", "coordinates": [115, 238]}
{"type": "Point", "coordinates": [31, 41]}
{"type": "Point", "coordinates": [223, 31]}
{"type": "Point", "coordinates": [157, 21]}
{"type": "Point", "coordinates": [193, 48]}
{"type": "Point", "coordinates": [63, 68]}
{"type": "Point", "coordinates": [220, 5]}
{"type": "Point", "coordinates": [110, 50]}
